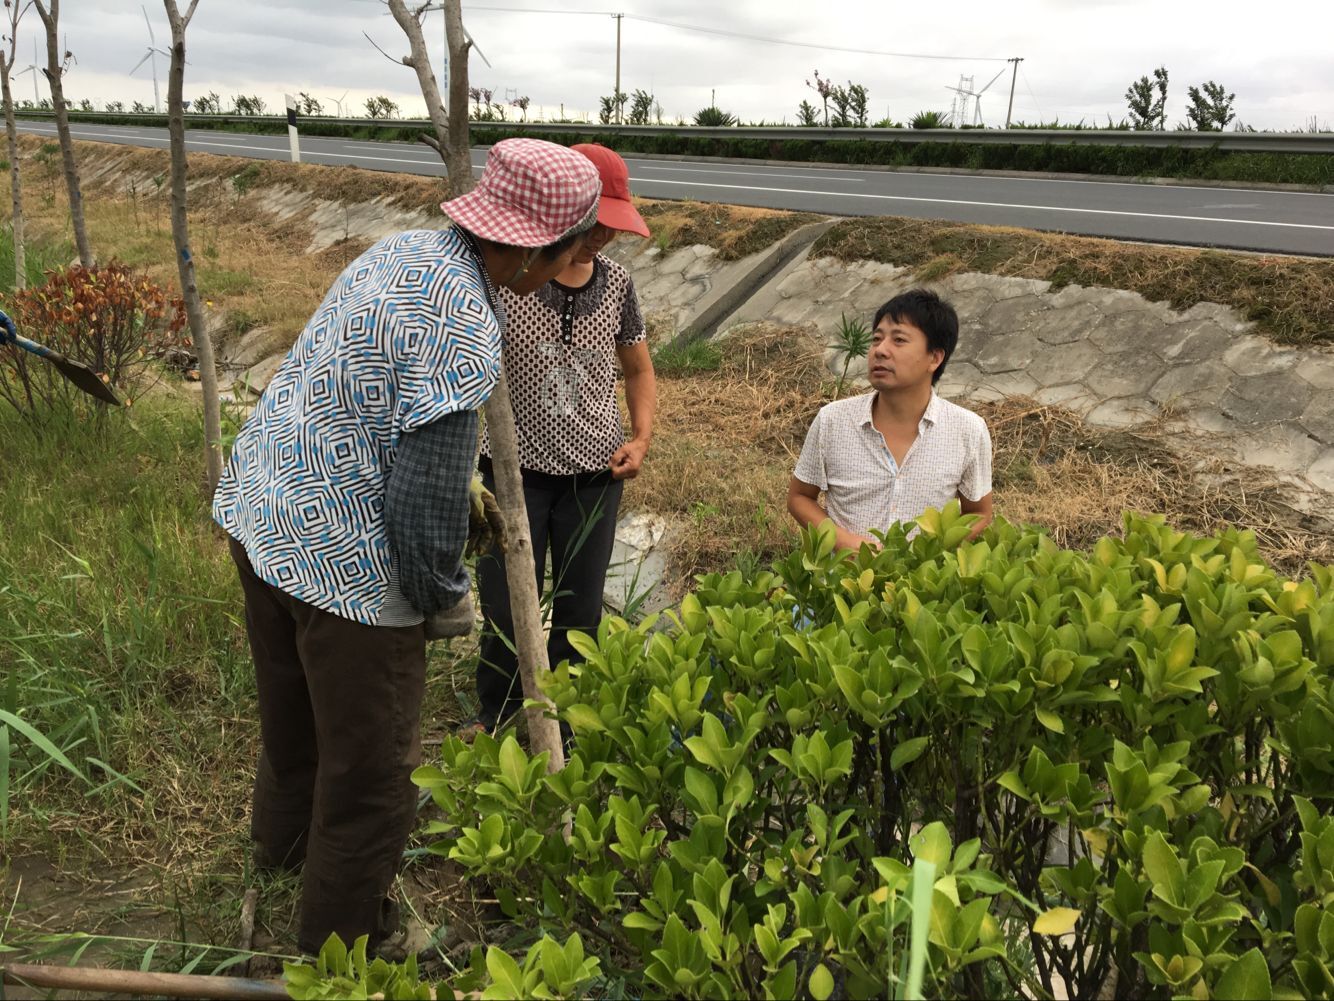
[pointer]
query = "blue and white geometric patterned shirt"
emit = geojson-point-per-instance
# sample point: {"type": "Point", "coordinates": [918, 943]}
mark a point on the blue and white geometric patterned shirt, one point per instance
{"type": "Point", "coordinates": [405, 336]}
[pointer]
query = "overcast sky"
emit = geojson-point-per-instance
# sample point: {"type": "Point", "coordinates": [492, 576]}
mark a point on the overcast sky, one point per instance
{"type": "Point", "coordinates": [1079, 55]}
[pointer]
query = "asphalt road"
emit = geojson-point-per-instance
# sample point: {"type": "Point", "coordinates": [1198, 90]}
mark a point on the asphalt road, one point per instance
{"type": "Point", "coordinates": [1243, 219]}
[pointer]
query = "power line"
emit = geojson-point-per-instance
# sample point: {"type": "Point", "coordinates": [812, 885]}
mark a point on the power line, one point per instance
{"type": "Point", "coordinates": [723, 32]}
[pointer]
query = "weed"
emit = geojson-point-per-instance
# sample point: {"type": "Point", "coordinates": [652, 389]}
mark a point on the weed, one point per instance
{"type": "Point", "coordinates": [219, 282]}
{"type": "Point", "coordinates": [245, 179]}
{"type": "Point", "coordinates": [676, 359]}
{"type": "Point", "coordinates": [937, 268]}
{"type": "Point", "coordinates": [852, 340]}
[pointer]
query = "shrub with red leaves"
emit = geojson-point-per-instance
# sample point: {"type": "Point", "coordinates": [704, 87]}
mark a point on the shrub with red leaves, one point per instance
{"type": "Point", "coordinates": [113, 319]}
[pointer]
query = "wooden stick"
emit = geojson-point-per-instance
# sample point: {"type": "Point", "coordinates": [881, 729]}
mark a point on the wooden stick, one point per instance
{"type": "Point", "coordinates": [171, 985]}
{"type": "Point", "coordinates": [246, 941]}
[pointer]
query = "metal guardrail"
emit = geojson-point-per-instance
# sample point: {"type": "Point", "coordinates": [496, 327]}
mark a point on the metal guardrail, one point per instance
{"type": "Point", "coordinates": [1255, 142]}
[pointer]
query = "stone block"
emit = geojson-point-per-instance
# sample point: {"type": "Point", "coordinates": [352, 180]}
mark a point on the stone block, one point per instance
{"type": "Point", "coordinates": [1005, 385]}
{"type": "Point", "coordinates": [687, 293]}
{"type": "Point", "coordinates": [1008, 353]}
{"type": "Point", "coordinates": [1321, 472]}
{"type": "Point", "coordinates": [1055, 366]}
{"type": "Point", "coordinates": [960, 378]}
{"type": "Point", "coordinates": [1264, 389]}
{"type": "Point", "coordinates": [255, 346]}
{"type": "Point", "coordinates": [1318, 420]}
{"type": "Point", "coordinates": [999, 286]}
{"type": "Point", "coordinates": [1248, 411]}
{"type": "Point", "coordinates": [1206, 417]}
{"type": "Point", "coordinates": [1123, 375]}
{"type": "Point", "coordinates": [1285, 448]}
{"type": "Point", "coordinates": [793, 310]}
{"type": "Point", "coordinates": [1136, 330]}
{"type": "Point", "coordinates": [1066, 326]}
{"type": "Point", "coordinates": [256, 378]}
{"type": "Point", "coordinates": [1121, 413]}
{"type": "Point", "coordinates": [676, 262]}
{"type": "Point", "coordinates": [1072, 396]}
{"type": "Point", "coordinates": [698, 268]}
{"type": "Point", "coordinates": [1224, 316]}
{"type": "Point", "coordinates": [971, 304]}
{"type": "Point", "coordinates": [659, 288]}
{"type": "Point", "coordinates": [1184, 345]}
{"type": "Point", "coordinates": [1184, 385]}
{"type": "Point", "coordinates": [1012, 315]}
{"type": "Point", "coordinates": [1317, 369]}
{"type": "Point", "coordinates": [1114, 300]}
{"type": "Point", "coordinates": [1256, 356]}
{"type": "Point", "coordinates": [837, 288]}
{"type": "Point", "coordinates": [801, 283]}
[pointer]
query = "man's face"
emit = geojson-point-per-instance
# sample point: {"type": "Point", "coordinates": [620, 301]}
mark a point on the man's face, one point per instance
{"type": "Point", "coordinates": [598, 237]}
{"type": "Point", "coordinates": [899, 357]}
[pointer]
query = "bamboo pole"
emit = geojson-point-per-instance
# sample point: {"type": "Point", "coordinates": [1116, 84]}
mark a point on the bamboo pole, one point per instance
{"type": "Point", "coordinates": [132, 982]}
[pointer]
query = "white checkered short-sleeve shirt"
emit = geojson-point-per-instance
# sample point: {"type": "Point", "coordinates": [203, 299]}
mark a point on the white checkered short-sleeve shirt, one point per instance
{"type": "Point", "coordinates": [865, 489]}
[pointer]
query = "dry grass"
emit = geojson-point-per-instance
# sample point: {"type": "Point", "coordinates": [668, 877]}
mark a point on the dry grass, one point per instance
{"type": "Point", "coordinates": [735, 231]}
{"type": "Point", "coordinates": [727, 442]}
{"type": "Point", "coordinates": [252, 269]}
{"type": "Point", "coordinates": [1290, 299]}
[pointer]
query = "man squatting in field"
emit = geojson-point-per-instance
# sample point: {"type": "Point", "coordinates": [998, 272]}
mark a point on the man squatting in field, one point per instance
{"type": "Point", "coordinates": [890, 454]}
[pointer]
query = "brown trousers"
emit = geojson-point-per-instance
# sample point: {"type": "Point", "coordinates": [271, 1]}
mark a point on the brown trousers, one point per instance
{"type": "Point", "coordinates": [339, 712]}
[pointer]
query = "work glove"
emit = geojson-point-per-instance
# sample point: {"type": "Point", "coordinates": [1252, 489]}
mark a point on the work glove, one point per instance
{"type": "Point", "coordinates": [453, 622]}
{"type": "Point", "coordinates": [486, 525]}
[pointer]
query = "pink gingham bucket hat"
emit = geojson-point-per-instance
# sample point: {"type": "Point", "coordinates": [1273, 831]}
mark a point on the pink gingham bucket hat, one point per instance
{"type": "Point", "coordinates": [531, 194]}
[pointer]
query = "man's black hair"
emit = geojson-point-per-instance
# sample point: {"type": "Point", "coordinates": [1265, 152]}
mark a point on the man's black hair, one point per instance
{"type": "Point", "coordinates": [930, 314]}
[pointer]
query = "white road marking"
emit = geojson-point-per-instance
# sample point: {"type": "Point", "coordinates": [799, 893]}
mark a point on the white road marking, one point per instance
{"type": "Point", "coordinates": [1002, 205]}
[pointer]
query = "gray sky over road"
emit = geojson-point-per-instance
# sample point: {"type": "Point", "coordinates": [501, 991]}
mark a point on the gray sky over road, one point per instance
{"type": "Point", "coordinates": [1080, 55]}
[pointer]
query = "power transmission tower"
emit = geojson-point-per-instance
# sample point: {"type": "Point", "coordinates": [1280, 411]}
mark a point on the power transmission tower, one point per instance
{"type": "Point", "coordinates": [959, 116]}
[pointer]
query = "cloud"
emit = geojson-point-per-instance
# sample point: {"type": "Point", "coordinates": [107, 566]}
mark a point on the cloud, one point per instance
{"type": "Point", "coordinates": [1078, 57]}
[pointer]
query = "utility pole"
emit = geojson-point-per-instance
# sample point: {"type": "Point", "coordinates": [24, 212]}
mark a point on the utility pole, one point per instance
{"type": "Point", "coordinates": [1013, 77]}
{"type": "Point", "coordinates": [616, 93]}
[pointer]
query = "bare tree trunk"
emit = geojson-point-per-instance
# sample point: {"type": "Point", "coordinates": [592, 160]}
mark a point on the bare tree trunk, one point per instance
{"type": "Point", "coordinates": [185, 262]}
{"type": "Point", "coordinates": [15, 183]}
{"type": "Point", "coordinates": [454, 153]}
{"type": "Point", "coordinates": [521, 571]}
{"type": "Point", "coordinates": [55, 70]}
{"type": "Point", "coordinates": [458, 160]}
{"type": "Point", "coordinates": [520, 566]}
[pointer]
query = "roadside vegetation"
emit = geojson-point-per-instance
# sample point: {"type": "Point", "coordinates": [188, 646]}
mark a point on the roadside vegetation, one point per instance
{"type": "Point", "coordinates": [128, 731]}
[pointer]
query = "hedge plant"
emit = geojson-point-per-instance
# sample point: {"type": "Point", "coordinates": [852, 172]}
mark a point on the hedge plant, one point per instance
{"type": "Point", "coordinates": [1113, 769]}
{"type": "Point", "coordinates": [1118, 763]}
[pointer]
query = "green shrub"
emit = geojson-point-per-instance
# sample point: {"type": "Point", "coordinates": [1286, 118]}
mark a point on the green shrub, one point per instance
{"type": "Point", "coordinates": [1119, 763]}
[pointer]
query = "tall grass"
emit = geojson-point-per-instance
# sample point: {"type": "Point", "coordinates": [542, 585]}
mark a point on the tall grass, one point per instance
{"type": "Point", "coordinates": [39, 258]}
{"type": "Point", "coordinates": [120, 644]}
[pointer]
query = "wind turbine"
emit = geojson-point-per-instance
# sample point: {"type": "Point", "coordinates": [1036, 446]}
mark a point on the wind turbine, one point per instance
{"type": "Point", "coordinates": [338, 102]}
{"type": "Point", "coordinates": [32, 68]}
{"type": "Point", "coordinates": [152, 54]}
